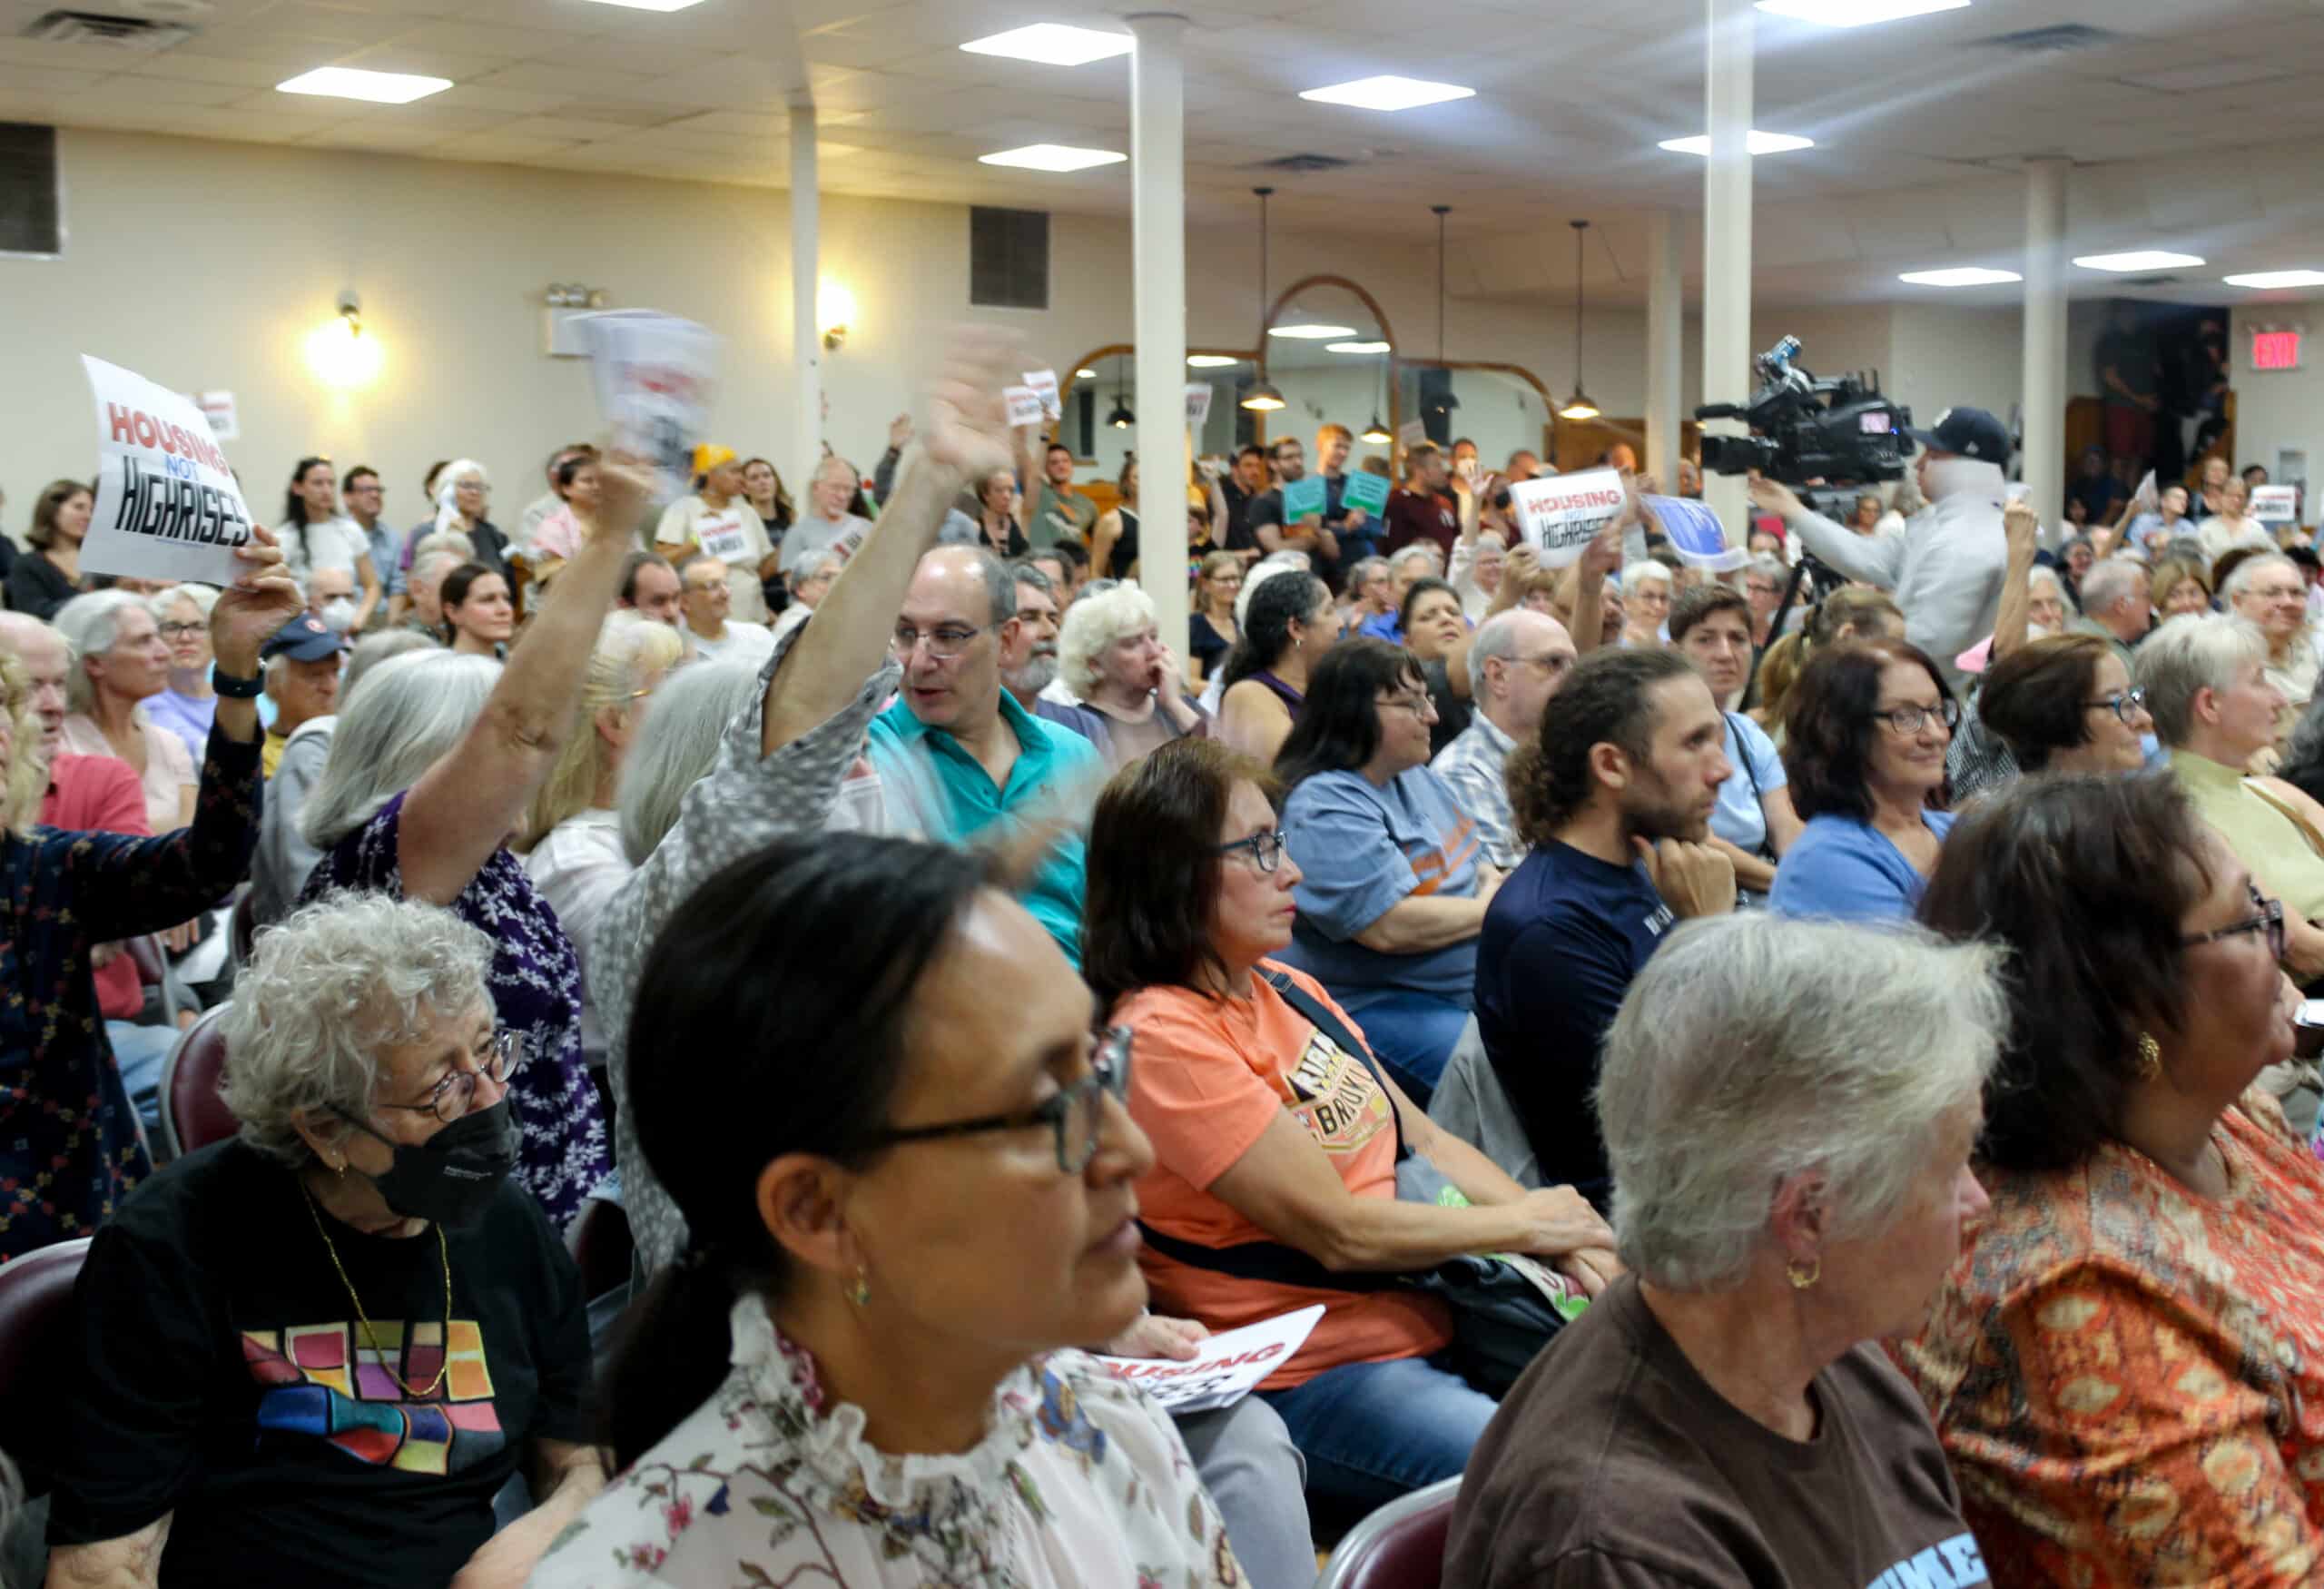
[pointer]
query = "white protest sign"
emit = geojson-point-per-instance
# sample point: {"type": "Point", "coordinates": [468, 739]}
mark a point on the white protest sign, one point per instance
{"type": "Point", "coordinates": [218, 408]}
{"type": "Point", "coordinates": [167, 504]}
{"type": "Point", "coordinates": [1562, 514]}
{"type": "Point", "coordinates": [1694, 534]}
{"type": "Point", "coordinates": [2146, 498]}
{"type": "Point", "coordinates": [1024, 405]}
{"type": "Point", "coordinates": [721, 536]}
{"type": "Point", "coordinates": [1225, 1368]}
{"type": "Point", "coordinates": [655, 374]}
{"type": "Point", "coordinates": [1044, 385]}
{"type": "Point", "coordinates": [1198, 403]}
{"type": "Point", "coordinates": [2275, 504]}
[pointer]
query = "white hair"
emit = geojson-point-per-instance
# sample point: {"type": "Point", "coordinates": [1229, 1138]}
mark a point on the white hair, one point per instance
{"type": "Point", "coordinates": [447, 490]}
{"type": "Point", "coordinates": [2189, 654]}
{"type": "Point", "coordinates": [1418, 552]}
{"type": "Point", "coordinates": [91, 626]}
{"type": "Point", "coordinates": [1267, 569]}
{"type": "Point", "coordinates": [204, 597]}
{"type": "Point", "coordinates": [1095, 623]}
{"type": "Point", "coordinates": [1755, 1048]}
{"type": "Point", "coordinates": [1644, 572]}
{"type": "Point", "coordinates": [2246, 574]}
{"type": "Point", "coordinates": [676, 747]}
{"type": "Point", "coordinates": [2044, 574]}
{"type": "Point", "coordinates": [405, 716]}
{"type": "Point", "coordinates": [327, 992]}
{"type": "Point", "coordinates": [2110, 581]}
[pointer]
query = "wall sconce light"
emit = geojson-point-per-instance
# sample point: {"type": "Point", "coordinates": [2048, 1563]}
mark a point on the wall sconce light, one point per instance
{"type": "Point", "coordinates": [562, 295]}
{"type": "Point", "coordinates": [339, 350]}
{"type": "Point", "coordinates": [835, 313]}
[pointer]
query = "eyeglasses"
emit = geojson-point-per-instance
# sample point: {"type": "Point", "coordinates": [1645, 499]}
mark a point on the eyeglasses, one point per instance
{"type": "Point", "coordinates": [1910, 720]}
{"type": "Point", "coordinates": [183, 631]}
{"type": "Point", "coordinates": [448, 1099]}
{"type": "Point", "coordinates": [2270, 921]}
{"type": "Point", "coordinates": [1554, 666]}
{"type": "Point", "coordinates": [1076, 1114]}
{"type": "Point", "coordinates": [2122, 703]}
{"type": "Point", "coordinates": [372, 486]}
{"type": "Point", "coordinates": [1265, 848]}
{"type": "Point", "coordinates": [945, 642]}
{"type": "Point", "coordinates": [1419, 705]}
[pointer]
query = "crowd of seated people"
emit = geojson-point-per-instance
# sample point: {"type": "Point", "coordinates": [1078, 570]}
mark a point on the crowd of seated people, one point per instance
{"type": "Point", "coordinates": [950, 976]}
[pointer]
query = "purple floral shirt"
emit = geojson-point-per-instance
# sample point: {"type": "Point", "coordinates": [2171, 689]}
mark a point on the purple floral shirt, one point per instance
{"type": "Point", "coordinates": [536, 986]}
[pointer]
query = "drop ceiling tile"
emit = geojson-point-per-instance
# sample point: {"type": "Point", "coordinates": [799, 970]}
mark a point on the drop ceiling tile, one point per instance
{"type": "Point", "coordinates": [446, 120]}
{"type": "Point", "coordinates": [741, 126]}
{"type": "Point", "coordinates": [99, 59]}
{"type": "Point", "coordinates": [290, 49]}
{"type": "Point", "coordinates": [377, 139]}
{"type": "Point", "coordinates": [400, 57]}
{"type": "Point", "coordinates": [515, 102]}
{"type": "Point", "coordinates": [496, 146]}
{"type": "Point", "coordinates": [193, 68]}
{"type": "Point", "coordinates": [45, 80]}
{"type": "Point", "coordinates": [571, 82]}
{"type": "Point", "coordinates": [166, 91]}
{"type": "Point", "coordinates": [623, 52]}
{"type": "Point", "coordinates": [465, 38]}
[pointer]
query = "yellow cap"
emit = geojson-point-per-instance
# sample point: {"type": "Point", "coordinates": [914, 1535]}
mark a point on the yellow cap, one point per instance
{"type": "Point", "coordinates": [709, 455]}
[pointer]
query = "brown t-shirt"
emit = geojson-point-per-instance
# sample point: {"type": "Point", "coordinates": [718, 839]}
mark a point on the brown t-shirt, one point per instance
{"type": "Point", "coordinates": [1613, 1465]}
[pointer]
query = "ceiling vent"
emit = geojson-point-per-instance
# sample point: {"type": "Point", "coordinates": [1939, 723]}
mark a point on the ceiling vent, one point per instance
{"type": "Point", "coordinates": [2060, 40]}
{"type": "Point", "coordinates": [1302, 164]}
{"type": "Point", "coordinates": [114, 33]}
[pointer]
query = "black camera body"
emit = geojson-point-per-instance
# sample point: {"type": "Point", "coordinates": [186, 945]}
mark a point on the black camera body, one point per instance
{"type": "Point", "coordinates": [1803, 430]}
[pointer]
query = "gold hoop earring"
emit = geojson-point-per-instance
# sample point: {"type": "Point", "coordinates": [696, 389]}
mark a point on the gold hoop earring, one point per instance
{"type": "Point", "coordinates": [1803, 1275]}
{"type": "Point", "coordinates": [2150, 1063]}
{"type": "Point", "coordinates": [859, 1293]}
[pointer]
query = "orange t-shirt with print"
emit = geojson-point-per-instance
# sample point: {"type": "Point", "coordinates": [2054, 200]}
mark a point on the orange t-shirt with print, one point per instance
{"type": "Point", "coordinates": [1210, 1076]}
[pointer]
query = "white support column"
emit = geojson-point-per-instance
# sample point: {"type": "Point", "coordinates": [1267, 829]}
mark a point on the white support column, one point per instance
{"type": "Point", "coordinates": [1665, 334]}
{"type": "Point", "coordinates": [1159, 224]}
{"type": "Point", "coordinates": [806, 276]}
{"type": "Point", "coordinates": [1726, 241]}
{"type": "Point", "coordinates": [2044, 382]}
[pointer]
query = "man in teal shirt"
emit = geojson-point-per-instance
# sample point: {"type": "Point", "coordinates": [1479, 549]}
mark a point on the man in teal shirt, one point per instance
{"type": "Point", "coordinates": [957, 754]}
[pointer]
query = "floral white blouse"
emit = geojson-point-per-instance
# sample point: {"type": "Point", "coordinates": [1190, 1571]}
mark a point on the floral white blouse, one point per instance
{"type": "Point", "coordinates": [1081, 1483]}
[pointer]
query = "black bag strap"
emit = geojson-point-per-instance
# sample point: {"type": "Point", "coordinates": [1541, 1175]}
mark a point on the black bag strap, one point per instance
{"type": "Point", "coordinates": [1319, 1015]}
{"type": "Point", "coordinates": [1767, 850]}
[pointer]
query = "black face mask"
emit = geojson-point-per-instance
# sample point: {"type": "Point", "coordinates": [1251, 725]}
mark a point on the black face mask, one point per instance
{"type": "Point", "coordinates": [452, 1178]}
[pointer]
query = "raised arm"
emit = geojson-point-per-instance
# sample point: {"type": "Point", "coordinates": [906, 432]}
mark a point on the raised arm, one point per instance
{"type": "Point", "coordinates": [2020, 525]}
{"type": "Point", "coordinates": [368, 577]}
{"type": "Point", "coordinates": [1874, 559]}
{"type": "Point", "coordinates": [461, 809]}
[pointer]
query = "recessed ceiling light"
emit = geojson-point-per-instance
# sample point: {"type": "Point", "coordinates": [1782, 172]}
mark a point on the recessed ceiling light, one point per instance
{"type": "Point", "coordinates": [1052, 157]}
{"type": "Point", "coordinates": [2150, 259]}
{"type": "Point", "coordinates": [1209, 361]}
{"type": "Point", "coordinates": [1355, 347]}
{"type": "Point", "coordinates": [379, 87]}
{"type": "Point", "coordinates": [1959, 276]}
{"type": "Point", "coordinates": [1311, 332]}
{"type": "Point", "coordinates": [1052, 44]}
{"type": "Point", "coordinates": [1085, 375]}
{"type": "Point", "coordinates": [2265, 279]}
{"type": "Point", "coordinates": [1388, 93]}
{"type": "Point", "coordinates": [1759, 143]}
{"type": "Point", "coordinates": [1857, 13]}
{"type": "Point", "coordinates": [651, 5]}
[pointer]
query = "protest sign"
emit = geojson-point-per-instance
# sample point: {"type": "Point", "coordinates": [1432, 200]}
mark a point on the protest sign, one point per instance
{"type": "Point", "coordinates": [2275, 504]}
{"type": "Point", "coordinates": [722, 537]}
{"type": "Point", "coordinates": [1044, 385]}
{"type": "Point", "coordinates": [1410, 434]}
{"type": "Point", "coordinates": [1694, 534]}
{"type": "Point", "coordinates": [1559, 515]}
{"type": "Point", "coordinates": [655, 374]}
{"type": "Point", "coordinates": [1198, 403]}
{"type": "Point", "coordinates": [1024, 406]}
{"type": "Point", "coordinates": [1366, 490]}
{"type": "Point", "coordinates": [1302, 498]}
{"type": "Point", "coordinates": [2146, 498]}
{"type": "Point", "coordinates": [225, 418]}
{"type": "Point", "coordinates": [1225, 1368]}
{"type": "Point", "coordinates": [167, 504]}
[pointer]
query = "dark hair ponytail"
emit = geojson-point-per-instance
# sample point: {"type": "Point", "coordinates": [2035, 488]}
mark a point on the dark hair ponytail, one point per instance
{"type": "Point", "coordinates": [294, 507]}
{"type": "Point", "coordinates": [1266, 622]}
{"type": "Point", "coordinates": [795, 967]}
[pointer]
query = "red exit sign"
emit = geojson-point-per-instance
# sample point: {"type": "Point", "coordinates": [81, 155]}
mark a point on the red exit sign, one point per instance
{"type": "Point", "coordinates": [2275, 349]}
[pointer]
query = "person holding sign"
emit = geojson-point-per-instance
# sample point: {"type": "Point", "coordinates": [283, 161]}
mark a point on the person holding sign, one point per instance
{"type": "Point", "coordinates": [1288, 518]}
{"type": "Point", "coordinates": [719, 520]}
{"type": "Point", "coordinates": [71, 1146]}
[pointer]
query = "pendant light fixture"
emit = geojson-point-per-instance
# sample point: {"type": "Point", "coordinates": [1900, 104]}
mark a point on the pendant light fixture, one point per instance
{"type": "Point", "coordinates": [1121, 419]}
{"type": "Point", "coordinates": [1578, 406]}
{"type": "Point", "coordinates": [1444, 402]}
{"type": "Point", "coordinates": [1263, 398]}
{"type": "Point", "coordinates": [1375, 432]}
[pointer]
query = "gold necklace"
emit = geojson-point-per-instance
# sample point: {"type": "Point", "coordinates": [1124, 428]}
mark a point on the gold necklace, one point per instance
{"type": "Point", "coordinates": [370, 1339]}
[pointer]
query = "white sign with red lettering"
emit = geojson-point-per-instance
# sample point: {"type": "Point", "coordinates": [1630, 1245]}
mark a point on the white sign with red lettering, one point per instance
{"type": "Point", "coordinates": [1197, 403]}
{"type": "Point", "coordinates": [225, 419]}
{"type": "Point", "coordinates": [2275, 504]}
{"type": "Point", "coordinates": [1225, 1368]}
{"type": "Point", "coordinates": [655, 375]}
{"type": "Point", "coordinates": [1562, 514]}
{"type": "Point", "coordinates": [1024, 406]}
{"type": "Point", "coordinates": [1043, 383]}
{"type": "Point", "coordinates": [167, 504]}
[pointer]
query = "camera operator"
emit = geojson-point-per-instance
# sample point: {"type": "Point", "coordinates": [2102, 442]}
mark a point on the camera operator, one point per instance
{"type": "Point", "coordinates": [1946, 569]}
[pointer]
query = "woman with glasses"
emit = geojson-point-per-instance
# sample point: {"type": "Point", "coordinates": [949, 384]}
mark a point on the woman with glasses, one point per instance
{"type": "Point", "coordinates": [2124, 1364]}
{"type": "Point", "coordinates": [1865, 731]}
{"type": "Point", "coordinates": [1395, 881]}
{"type": "Point", "coordinates": [1271, 1125]}
{"type": "Point", "coordinates": [2066, 705]}
{"type": "Point", "coordinates": [436, 758]}
{"type": "Point", "coordinates": [315, 1352]}
{"type": "Point", "coordinates": [915, 1196]}
{"type": "Point", "coordinates": [189, 703]}
{"type": "Point", "coordinates": [1210, 628]}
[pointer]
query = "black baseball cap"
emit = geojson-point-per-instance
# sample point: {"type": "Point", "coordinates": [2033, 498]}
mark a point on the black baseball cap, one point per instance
{"type": "Point", "coordinates": [1971, 432]}
{"type": "Point", "coordinates": [305, 638]}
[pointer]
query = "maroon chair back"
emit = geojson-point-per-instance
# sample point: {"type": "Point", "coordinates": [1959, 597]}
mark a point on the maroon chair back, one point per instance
{"type": "Point", "coordinates": [1399, 1547]}
{"type": "Point", "coordinates": [192, 1113]}
{"type": "Point", "coordinates": [146, 951]}
{"type": "Point", "coordinates": [35, 1349]}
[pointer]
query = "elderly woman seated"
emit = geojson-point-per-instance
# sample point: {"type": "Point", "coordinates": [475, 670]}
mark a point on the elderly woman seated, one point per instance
{"type": "Point", "coordinates": [314, 1352]}
{"type": "Point", "coordinates": [1790, 1186]}
{"type": "Point", "coordinates": [1129, 695]}
{"type": "Point", "coordinates": [2124, 1363]}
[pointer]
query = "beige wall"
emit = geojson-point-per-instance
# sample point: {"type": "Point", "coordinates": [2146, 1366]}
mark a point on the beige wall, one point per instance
{"type": "Point", "coordinates": [2280, 410]}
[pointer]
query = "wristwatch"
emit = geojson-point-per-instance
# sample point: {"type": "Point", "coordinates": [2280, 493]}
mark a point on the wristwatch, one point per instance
{"type": "Point", "coordinates": [235, 687]}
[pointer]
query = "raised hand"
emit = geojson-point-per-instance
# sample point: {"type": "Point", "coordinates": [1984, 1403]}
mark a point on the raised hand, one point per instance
{"type": "Point", "coordinates": [900, 431]}
{"type": "Point", "coordinates": [625, 491]}
{"type": "Point", "coordinates": [968, 421]}
{"type": "Point", "coordinates": [261, 599]}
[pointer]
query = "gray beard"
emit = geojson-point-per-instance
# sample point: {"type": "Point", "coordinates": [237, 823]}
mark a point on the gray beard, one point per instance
{"type": "Point", "coordinates": [1031, 679]}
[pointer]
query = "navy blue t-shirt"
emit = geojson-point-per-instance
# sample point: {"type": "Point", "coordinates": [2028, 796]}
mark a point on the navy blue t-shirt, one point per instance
{"type": "Point", "coordinates": [1561, 941]}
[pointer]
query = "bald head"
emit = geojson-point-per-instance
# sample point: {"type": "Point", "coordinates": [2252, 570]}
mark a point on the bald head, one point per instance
{"type": "Point", "coordinates": [49, 661]}
{"type": "Point", "coordinates": [958, 616]}
{"type": "Point", "coordinates": [1518, 660]}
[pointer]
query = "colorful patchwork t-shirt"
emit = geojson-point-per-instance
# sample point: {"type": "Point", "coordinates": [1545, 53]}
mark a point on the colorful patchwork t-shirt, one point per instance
{"type": "Point", "coordinates": [218, 1372]}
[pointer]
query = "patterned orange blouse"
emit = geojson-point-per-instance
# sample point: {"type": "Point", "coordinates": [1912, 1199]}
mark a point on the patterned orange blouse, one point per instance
{"type": "Point", "coordinates": [2128, 1378]}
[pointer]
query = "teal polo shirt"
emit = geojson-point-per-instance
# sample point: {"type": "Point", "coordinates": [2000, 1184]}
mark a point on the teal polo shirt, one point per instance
{"type": "Point", "coordinates": [1057, 771]}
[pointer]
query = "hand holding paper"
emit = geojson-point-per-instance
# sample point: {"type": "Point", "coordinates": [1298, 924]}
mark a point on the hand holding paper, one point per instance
{"type": "Point", "coordinates": [261, 598]}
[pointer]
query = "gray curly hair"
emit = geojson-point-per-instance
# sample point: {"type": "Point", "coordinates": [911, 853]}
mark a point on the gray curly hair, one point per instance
{"type": "Point", "coordinates": [327, 992]}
